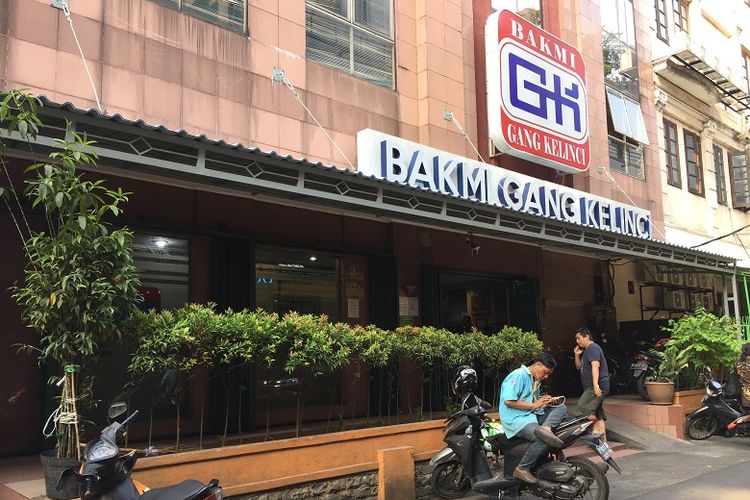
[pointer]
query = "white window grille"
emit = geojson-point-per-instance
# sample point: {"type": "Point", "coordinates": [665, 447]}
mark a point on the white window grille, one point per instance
{"type": "Point", "coordinates": [353, 36]}
{"type": "Point", "coordinates": [231, 14]}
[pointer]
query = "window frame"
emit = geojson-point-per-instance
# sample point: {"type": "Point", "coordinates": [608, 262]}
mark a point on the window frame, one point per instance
{"type": "Point", "coordinates": [720, 175]}
{"type": "Point", "coordinates": [746, 70]}
{"type": "Point", "coordinates": [626, 32]}
{"type": "Point", "coordinates": [674, 175]}
{"type": "Point", "coordinates": [351, 24]}
{"type": "Point", "coordinates": [730, 156]}
{"type": "Point", "coordinates": [662, 24]}
{"type": "Point", "coordinates": [696, 163]}
{"type": "Point", "coordinates": [517, 10]}
{"type": "Point", "coordinates": [680, 15]}
{"type": "Point", "coordinates": [216, 19]}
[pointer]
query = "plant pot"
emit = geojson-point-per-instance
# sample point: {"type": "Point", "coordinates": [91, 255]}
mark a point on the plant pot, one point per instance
{"type": "Point", "coordinates": [689, 399]}
{"type": "Point", "coordinates": [53, 467]}
{"type": "Point", "coordinates": [661, 393]}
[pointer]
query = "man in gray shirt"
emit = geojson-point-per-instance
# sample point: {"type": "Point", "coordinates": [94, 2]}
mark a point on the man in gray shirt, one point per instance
{"type": "Point", "coordinates": [594, 378]}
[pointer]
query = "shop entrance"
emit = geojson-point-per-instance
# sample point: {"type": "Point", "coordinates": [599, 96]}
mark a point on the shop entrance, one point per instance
{"type": "Point", "coordinates": [458, 301]}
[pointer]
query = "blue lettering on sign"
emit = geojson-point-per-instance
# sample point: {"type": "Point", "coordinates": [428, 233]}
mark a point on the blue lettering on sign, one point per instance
{"type": "Point", "coordinates": [559, 96]}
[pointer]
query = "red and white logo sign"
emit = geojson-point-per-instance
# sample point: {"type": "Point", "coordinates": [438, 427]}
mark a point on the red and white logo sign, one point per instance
{"type": "Point", "coordinates": [536, 94]}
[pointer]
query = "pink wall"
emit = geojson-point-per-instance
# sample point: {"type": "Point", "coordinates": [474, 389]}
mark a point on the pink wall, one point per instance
{"type": "Point", "coordinates": [168, 68]}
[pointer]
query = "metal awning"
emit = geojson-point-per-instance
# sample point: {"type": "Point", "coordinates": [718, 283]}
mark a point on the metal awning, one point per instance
{"type": "Point", "coordinates": [132, 148]}
{"type": "Point", "coordinates": [731, 95]}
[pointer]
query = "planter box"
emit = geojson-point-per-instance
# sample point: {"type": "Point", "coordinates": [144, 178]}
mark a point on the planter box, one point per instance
{"type": "Point", "coordinates": [690, 399]}
{"type": "Point", "coordinates": [270, 465]}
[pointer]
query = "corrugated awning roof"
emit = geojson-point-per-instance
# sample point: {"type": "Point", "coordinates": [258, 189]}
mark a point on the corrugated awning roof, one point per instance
{"type": "Point", "coordinates": [134, 144]}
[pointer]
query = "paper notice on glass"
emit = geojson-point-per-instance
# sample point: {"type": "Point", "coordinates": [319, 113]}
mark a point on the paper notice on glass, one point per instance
{"type": "Point", "coordinates": [413, 306]}
{"type": "Point", "coordinates": [353, 308]}
{"type": "Point", "coordinates": [403, 306]}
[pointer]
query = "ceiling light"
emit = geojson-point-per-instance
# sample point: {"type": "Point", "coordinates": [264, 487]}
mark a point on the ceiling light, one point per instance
{"type": "Point", "coordinates": [313, 258]}
{"type": "Point", "coordinates": [161, 243]}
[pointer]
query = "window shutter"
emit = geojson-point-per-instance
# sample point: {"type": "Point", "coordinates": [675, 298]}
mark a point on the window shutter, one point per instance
{"type": "Point", "coordinates": [740, 180]}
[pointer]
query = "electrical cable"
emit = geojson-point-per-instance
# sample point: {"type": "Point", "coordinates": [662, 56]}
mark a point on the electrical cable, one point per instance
{"type": "Point", "coordinates": [66, 11]}
{"type": "Point", "coordinates": [296, 95]}
{"type": "Point", "coordinates": [617, 185]}
{"type": "Point", "coordinates": [448, 115]}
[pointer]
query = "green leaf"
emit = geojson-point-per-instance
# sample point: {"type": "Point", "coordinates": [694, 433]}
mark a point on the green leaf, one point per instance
{"type": "Point", "coordinates": [58, 198]}
{"type": "Point", "coordinates": [82, 221]}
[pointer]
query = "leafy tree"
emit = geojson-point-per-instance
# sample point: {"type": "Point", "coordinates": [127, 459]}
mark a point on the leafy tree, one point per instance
{"type": "Point", "coordinates": [79, 281]}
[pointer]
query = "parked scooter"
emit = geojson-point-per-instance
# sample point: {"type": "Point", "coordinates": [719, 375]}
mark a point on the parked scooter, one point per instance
{"type": "Point", "coordinates": [719, 414]}
{"type": "Point", "coordinates": [463, 466]}
{"type": "Point", "coordinates": [105, 472]}
{"type": "Point", "coordinates": [645, 365]}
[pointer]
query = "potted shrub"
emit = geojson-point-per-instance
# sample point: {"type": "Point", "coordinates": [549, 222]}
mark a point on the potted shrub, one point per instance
{"type": "Point", "coordinates": [661, 385]}
{"type": "Point", "coordinates": [79, 279]}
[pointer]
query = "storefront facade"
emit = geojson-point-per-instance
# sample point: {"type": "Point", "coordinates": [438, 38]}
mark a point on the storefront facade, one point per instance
{"type": "Point", "coordinates": [239, 197]}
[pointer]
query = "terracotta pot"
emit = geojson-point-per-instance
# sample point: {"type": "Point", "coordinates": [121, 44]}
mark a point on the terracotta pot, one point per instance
{"type": "Point", "coordinates": [661, 393]}
{"type": "Point", "coordinates": [690, 399]}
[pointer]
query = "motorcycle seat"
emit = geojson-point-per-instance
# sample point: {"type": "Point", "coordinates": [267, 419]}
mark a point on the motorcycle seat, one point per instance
{"type": "Point", "coordinates": [186, 490]}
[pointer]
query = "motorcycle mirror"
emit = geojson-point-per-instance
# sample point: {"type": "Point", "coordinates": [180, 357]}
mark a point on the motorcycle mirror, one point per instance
{"type": "Point", "coordinates": [116, 409]}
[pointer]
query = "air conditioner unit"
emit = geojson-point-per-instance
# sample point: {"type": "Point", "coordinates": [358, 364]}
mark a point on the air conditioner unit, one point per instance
{"type": "Point", "coordinates": [691, 280]}
{"type": "Point", "coordinates": [706, 281]}
{"type": "Point", "coordinates": [653, 273]}
{"type": "Point", "coordinates": [677, 278]}
{"type": "Point", "coordinates": [675, 299]}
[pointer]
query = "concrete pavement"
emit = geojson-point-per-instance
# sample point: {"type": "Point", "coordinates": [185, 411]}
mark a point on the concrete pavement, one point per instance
{"type": "Point", "coordinates": [667, 468]}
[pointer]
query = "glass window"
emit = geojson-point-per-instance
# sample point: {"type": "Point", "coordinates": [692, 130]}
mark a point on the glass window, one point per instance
{"type": "Point", "coordinates": [746, 71]}
{"type": "Point", "coordinates": [619, 46]}
{"type": "Point", "coordinates": [164, 264]}
{"type": "Point", "coordinates": [693, 163]}
{"type": "Point", "coordinates": [680, 13]}
{"type": "Point", "coordinates": [721, 184]}
{"type": "Point", "coordinates": [228, 13]}
{"type": "Point", "coordinates": [531, 10]}
{"type": "Point", "coordinates": [627, 117]}
{"type": "Point", "coordinates": [660, 6]}
{"type": "Point", "coordinates": [672, 154]}
{"type": "Point", "coordinates": [740, 180]}
{"type": "Point", "coordinates": [354, 36]}
{"type": "Point", "coordinates": [626, 157]}
{"type": "Point", "coordinates": [297, 280]}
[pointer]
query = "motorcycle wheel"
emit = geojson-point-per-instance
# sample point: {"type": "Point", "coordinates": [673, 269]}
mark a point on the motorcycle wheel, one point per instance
{"type": "Point", "coordinates": [702, 427]}
{"type": "Point", "coordinates": [449, 481]}
{"type": "Point", "coordinates": [598, 488]}
{"type": "Point", "coordinates": [640, 383]}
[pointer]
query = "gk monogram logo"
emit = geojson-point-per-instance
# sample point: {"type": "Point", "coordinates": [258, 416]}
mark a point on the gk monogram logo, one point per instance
{"type": "Point", "coordinates": [567, 97]}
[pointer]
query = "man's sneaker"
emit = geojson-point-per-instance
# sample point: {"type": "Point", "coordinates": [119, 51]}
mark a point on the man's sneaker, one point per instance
{"type": "Point", "coordinates": [524, 475]}
{"type": "Point", "coordinates": [548, 438]}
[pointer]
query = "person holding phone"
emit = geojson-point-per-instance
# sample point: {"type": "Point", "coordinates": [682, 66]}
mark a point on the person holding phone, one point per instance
{"type": "Point", "coordinates": [526, 413]}
{"type": "Point", "coordinates": [590, 360]}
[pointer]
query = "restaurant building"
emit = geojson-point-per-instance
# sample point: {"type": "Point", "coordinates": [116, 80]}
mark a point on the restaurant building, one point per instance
{"type": "Point", "coordinates": [372, 160]}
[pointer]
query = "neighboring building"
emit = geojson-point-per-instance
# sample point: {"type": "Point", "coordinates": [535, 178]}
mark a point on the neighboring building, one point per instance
{"type": "Point", "coordinates": [231, 205]}
{"type": "Point", "coordinates": [700, 55]}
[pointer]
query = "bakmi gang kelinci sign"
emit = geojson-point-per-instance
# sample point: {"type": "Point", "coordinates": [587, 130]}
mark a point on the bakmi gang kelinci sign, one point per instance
{"type": "Point", "coordinates": [536, 94]}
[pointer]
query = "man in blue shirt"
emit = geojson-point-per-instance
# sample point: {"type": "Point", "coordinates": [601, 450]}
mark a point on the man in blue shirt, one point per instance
{"type": "Point", "coordinates": [525, 413]}
{"type": "Point", "coordinates": [594, 378]}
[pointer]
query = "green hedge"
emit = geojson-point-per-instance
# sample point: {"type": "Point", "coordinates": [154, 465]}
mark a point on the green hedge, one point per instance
{"type": "Point", "coordinates": [198, 335]}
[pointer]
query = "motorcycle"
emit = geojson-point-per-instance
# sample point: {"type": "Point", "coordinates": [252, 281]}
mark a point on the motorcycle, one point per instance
{"type": "Point", "coordinates": [718, 413]}
{"type": "Point", "coordinates": [463, 466]}
{"type": "Point", "coordinates": [645, 365]}
{"type": "Point", "coordinates": [105, 471]}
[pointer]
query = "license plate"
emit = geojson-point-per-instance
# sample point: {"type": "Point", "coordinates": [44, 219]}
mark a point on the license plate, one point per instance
{"type": "Point", "coordinates": [639, 366]}
{"type": "Point", "coordinates": [605, 451]}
